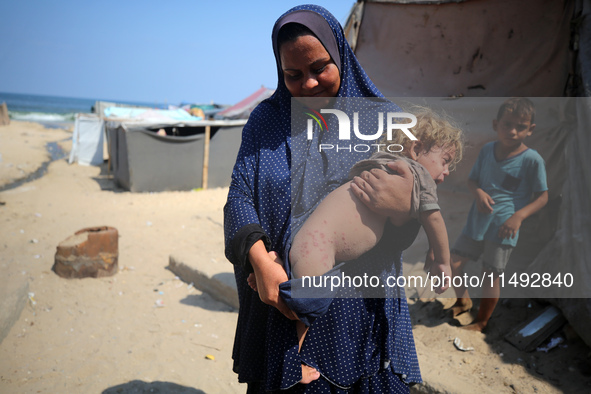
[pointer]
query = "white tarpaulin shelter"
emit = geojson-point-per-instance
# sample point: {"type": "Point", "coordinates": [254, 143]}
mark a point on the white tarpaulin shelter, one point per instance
{"type": "Point", "coordinates": [88, 139]}
{"type": "Point", "coordinates": [501, 48]}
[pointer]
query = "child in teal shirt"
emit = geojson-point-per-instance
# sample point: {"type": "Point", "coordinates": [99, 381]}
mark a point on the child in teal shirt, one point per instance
{"type": "Point", "coordinates": [508, 182]}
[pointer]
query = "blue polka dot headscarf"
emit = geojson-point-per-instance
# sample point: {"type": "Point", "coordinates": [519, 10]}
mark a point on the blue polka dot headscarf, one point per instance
{"type": "Point", "coordinates": [354, 81]}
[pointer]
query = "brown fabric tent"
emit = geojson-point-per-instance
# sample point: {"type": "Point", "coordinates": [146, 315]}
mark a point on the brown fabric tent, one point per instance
{"type": "Point", "coordinates": [464, 48]}
{"type": "Point", "coordinates": [501, 48]}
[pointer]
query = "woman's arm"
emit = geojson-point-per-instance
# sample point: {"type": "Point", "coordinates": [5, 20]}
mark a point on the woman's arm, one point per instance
{"type": "Point", "coordinates": [246, 242]}
{"type": "Point", "coordinates": [269, 273]}
{"type": "Point", "coordinates": [241, 220]}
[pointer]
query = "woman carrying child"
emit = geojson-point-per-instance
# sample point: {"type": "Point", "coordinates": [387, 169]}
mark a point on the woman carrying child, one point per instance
{"type": "Point", "coordinates": [358, 345]}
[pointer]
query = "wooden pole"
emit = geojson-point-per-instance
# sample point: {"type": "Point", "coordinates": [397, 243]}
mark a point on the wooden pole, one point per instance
{"type": "Point", "coordinates": [206, 157]}
{"type": "Point", "coordinates": [4, 118]}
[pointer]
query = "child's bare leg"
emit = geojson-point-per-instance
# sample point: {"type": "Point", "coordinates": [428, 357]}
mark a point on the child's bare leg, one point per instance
{"type": "Point", "coordinates": [309, 374]}
{"type": "Point", "coordinates": [490, 298]}
{"type": "Point", "coordinates": [301, 330]}
{"type": "Point", "coordinates": [463, 302]}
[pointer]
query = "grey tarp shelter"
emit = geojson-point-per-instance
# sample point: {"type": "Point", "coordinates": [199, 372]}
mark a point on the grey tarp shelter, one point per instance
{"type": "Point", "coordinates": [143, 161]}
{"type": "Point", "coordinates": [500, 48]}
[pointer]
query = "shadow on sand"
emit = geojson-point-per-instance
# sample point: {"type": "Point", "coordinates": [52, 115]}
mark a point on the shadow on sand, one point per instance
{"type": "Point", "coordinates": [139, 387]}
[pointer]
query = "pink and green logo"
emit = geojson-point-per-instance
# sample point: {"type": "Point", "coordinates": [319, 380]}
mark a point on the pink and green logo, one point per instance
{"type": "Point", "coordinates": [317, 117]}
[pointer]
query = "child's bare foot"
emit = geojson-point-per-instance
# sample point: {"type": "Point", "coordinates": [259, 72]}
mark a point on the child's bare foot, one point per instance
{"type": "Point", "coordinates": [461, 306]}
{"type": "Point", "coordinates": [252, 281]}
{"type": "Point", "coordinates": [476, 326]}
{"type": "Point", "coordinates": [309, 374]}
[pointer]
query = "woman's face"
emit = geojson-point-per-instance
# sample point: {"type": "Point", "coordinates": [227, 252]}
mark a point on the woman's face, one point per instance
{"type": "Point", "coordinates": [308, 69]}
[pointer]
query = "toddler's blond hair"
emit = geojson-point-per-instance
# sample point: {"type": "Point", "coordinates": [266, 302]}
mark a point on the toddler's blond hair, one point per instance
{"type": "Point", "coordinates": [433, 130]}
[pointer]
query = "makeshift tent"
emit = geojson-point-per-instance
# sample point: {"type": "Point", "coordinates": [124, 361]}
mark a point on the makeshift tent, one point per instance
{"type": "Point", "coordinates": [470, 48]}
{"type": "Point", "coordinates": [500, 48]}
{"type": "Point", "coordinates": [242, 109]}
{"type": "Point", "coordinates": [180, 157]}
{"type": "Point", "coordinates": [148, 114]}
{"type": "Point", "coordinates": [87, 140]}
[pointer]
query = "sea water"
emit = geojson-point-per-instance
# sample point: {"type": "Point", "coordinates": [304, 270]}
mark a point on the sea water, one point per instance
{"type": "Point", "coordinates": [51, 111]}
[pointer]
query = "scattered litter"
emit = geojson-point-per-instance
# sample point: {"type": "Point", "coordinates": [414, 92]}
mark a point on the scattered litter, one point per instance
{"type": "Point", "coordinates": [198, 325]}
{"type": "Point", "coordinates": [190, 285]}
{"type": "Point", "coordinates": [551, 345]}
{"type": "Point", "coordinates": [32, 299]}
{"type": "Point", "coordinates": [209, 357]}
{"type": "Point", "coordinates": [159, 303]}
{"type": "Point", "coordinates": [22, 231]}
{"type": "Point", "coordinates": [148, 223]}
{"type": "Point", "coordinates": [460, 346]}
{"type": "Point", "coordinates": [161, 292]}
{"type": "Point", "coordinates": [34, 241]}
{"type": "Point", "coordinates": [38, 214]}
{"type": "Point", "coordinates": [37, 256]}
{"type": "Point", "coordinates": [536, 330]}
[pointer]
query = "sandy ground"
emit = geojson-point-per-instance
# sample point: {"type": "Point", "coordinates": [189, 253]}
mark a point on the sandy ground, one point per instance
{"type": "Point", "coordinates": [109, 335]}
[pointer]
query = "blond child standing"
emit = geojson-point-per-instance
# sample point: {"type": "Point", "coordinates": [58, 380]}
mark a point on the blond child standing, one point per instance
{"type": "Point", "coordinates": [508, 182]}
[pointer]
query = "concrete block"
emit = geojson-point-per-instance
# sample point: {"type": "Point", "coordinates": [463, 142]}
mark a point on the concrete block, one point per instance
{"type": "Point", "coordinates": [219, 285]}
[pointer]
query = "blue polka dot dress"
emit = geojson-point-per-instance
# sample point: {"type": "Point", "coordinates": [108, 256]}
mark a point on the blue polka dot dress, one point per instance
{"type": "Point", "coordinates": [360, 345]}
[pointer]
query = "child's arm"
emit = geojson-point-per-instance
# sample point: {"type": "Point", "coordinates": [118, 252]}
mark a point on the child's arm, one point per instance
{"type": "Point", "coordinates": [484, 202]}
{"type": "Point", "coordinates": [511, 226]}
{"type": "Point", "coordinates": [434, 226]}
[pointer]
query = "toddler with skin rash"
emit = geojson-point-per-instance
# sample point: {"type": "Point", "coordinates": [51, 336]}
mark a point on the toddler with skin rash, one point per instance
{"type": "Point", "coordinates": [342, 228]}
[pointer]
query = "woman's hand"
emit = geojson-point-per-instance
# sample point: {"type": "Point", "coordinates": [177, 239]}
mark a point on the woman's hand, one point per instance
{"type": "Point", "coordinates": [384, 193]}
{"type": "Point", "coordinates": [269, 273]}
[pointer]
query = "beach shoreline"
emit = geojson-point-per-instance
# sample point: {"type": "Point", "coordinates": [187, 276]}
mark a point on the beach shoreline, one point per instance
{"type": "Point", "coordinates": [144, 329]}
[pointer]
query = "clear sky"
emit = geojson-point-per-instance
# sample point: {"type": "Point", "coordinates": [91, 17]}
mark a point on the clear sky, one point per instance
{"type": "Point", "coordinates": [149, 51]}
